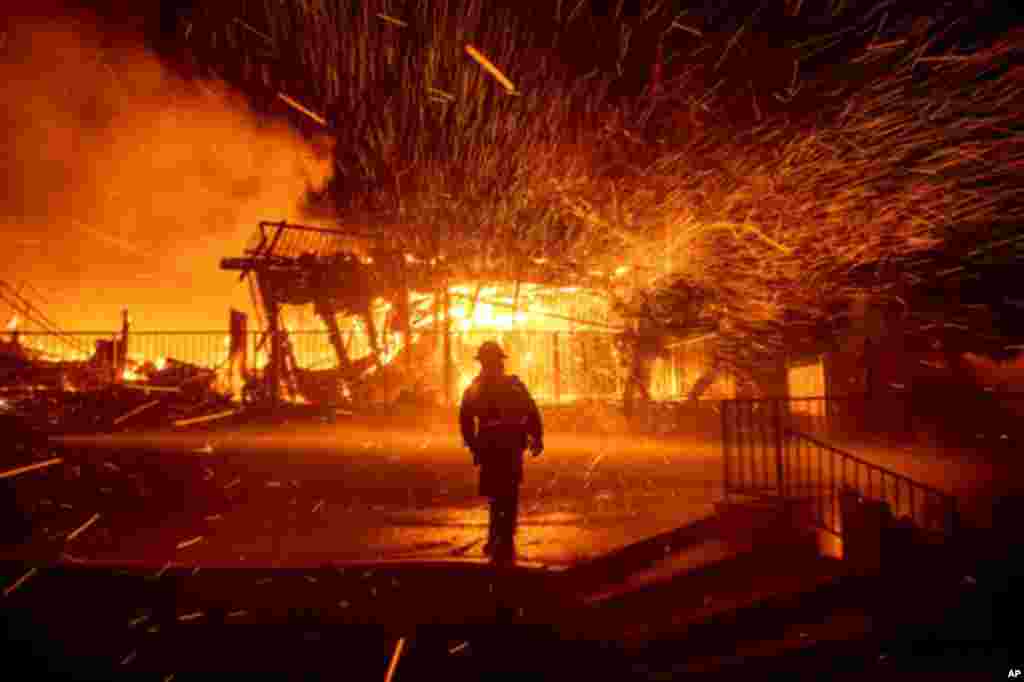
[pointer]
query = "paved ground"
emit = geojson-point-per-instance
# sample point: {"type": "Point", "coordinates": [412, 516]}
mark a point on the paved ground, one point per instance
{"type": "Point", "coordinates": [307, 493]}
{"type": "Point", "coordinates": [304, 495]}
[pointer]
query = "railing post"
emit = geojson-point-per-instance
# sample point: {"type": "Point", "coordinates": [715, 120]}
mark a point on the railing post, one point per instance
{"type": "Point", "coordinates": [777, 418]}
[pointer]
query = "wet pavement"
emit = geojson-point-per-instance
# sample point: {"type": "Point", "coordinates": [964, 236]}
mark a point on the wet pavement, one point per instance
{"type": "Point", "coordinates": [318, 493]}
{"type": "Point", "coordinates": [628, 526]}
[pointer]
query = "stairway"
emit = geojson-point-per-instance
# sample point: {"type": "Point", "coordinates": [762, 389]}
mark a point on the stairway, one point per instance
{"type": "Point", "coordinates": [747, 553]}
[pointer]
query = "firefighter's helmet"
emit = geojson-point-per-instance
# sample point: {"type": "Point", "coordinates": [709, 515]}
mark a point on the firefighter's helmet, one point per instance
{"type": "Point", "coordinates": [490, 350]}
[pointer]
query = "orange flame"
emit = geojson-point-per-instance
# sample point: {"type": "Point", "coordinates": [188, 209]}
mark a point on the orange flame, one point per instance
{"type": "Point", "coordinates": [13, 324]}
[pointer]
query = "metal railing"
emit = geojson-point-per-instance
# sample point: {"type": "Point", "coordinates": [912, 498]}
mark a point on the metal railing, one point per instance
{"type": "Point", "coordinates": [818, 471]}
{"type": "Point", "coordinates": [767, 453]}
{"type": "Point", "coordinates": [558, 367]}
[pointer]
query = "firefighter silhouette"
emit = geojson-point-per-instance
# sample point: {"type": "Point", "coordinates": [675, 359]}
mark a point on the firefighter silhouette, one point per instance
{"type": "Point", "coordinates": [499, 421]}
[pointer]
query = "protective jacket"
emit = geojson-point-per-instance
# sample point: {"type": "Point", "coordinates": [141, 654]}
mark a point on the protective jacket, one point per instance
{"type": "Point", "coordinates": [497, 417]}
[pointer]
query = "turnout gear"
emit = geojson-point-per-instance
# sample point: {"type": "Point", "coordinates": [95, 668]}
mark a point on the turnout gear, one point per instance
{"type": "Point", "coordinates": [499, 420]}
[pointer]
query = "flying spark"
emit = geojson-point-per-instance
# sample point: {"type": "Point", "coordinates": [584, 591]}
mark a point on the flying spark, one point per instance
{"type": "Point", "coordinates": [20, 581]}
{"type": "Point", "coordinates": [81, 529]}
{"type": "Point", "coordinates": [491, 68]}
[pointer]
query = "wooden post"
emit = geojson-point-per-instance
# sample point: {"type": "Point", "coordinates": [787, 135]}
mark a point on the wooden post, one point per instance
{"type": "Point", "coordinates": [274, 367]}
{"type": "Point", "coordinates": [558, 370]}
{"type": "Point", "coordinates": [120, 354]}
{"type": "Point", "coordinates": [438, 330]}
{"type": "Point", "coordinates": [125, 323]}
{"type": "Point", "coordinates": [239, 354]}
{"type": "Point", "coordinates": [447, 350]}
{"type": "Point", "coordinates": [404, 315]}
{"type": "Point", "coordinates": [274, 374]}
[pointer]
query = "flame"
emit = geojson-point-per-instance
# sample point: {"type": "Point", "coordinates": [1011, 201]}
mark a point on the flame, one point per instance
{"type": "Point", "coordinates": [129, 374]}
{"type": "Point", "coordinates": [160, 364]}
{"type": "Point", "coordinates": [419, 324]}
{"type": "Point", "coordinates": [465, 379]}
{"type": "Point", "coordinates": [13, 324]}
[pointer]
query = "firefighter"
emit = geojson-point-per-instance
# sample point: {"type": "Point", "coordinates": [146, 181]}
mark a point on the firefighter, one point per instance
{"type": "Point", "coordinates": [499, 421]}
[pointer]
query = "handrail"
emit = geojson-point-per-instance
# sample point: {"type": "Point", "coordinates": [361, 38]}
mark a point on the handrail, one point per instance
{"type": "Point", "coordinates": [870, 465]}
{"type": "Point", "coordinates": [755, 439]}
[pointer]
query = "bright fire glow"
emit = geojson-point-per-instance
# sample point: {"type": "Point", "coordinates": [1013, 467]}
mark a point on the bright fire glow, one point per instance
{"type": "Point", "coordinates": [465, 379]}
{"type": "Point", "coordinates": [485, 317]}
{"type": "Point", "coordinates": [13, 324]}
{"type": "Point", "coordinates": [129, 374]}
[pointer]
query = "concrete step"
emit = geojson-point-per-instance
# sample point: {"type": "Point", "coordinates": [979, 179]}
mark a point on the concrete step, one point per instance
{"type": "Point", "coordinates": [746, 553]}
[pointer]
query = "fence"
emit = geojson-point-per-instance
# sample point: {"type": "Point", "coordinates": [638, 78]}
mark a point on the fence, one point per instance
{"type": "Point", "coordinates": [766, 452]}
{"type": "Point", "coordinates": [558, 366]}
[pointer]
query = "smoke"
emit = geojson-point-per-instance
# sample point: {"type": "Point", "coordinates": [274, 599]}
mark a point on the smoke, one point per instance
{"type": "Point", "coordinates": [126, 184]}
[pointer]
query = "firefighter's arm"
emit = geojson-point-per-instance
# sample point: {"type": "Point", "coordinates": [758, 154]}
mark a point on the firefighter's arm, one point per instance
{"type": "Point", "coordinates": [467, 424]}
{"type": "Point", "coordinates": [534, 425]}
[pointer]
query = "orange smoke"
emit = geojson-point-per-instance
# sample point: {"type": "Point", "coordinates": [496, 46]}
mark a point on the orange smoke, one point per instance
{"type": "Point", "coordinates": [123, 178]}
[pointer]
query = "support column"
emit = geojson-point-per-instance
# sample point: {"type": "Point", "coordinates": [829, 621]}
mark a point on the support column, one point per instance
{"type": "Point", "coordinates": [239, 354]}
{"type": "Point", "coordinates": [120, 354]}
{"type": "Point", "coordinates": [273, 375]}
{"type": "Point", "coordinates": [276, 356]}
{"type": "Point", "coordinates": [439, 345]}
{"type": "Point", "coordinates": [447, 350]}
{"type": "Point", "coordinates": [404, 314]}
{"type": "Point", "coordinates": [557, 364]}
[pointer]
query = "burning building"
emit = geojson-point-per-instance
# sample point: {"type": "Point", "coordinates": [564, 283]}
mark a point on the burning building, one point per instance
{"type": "Point", "coordinates": [359, 315]}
